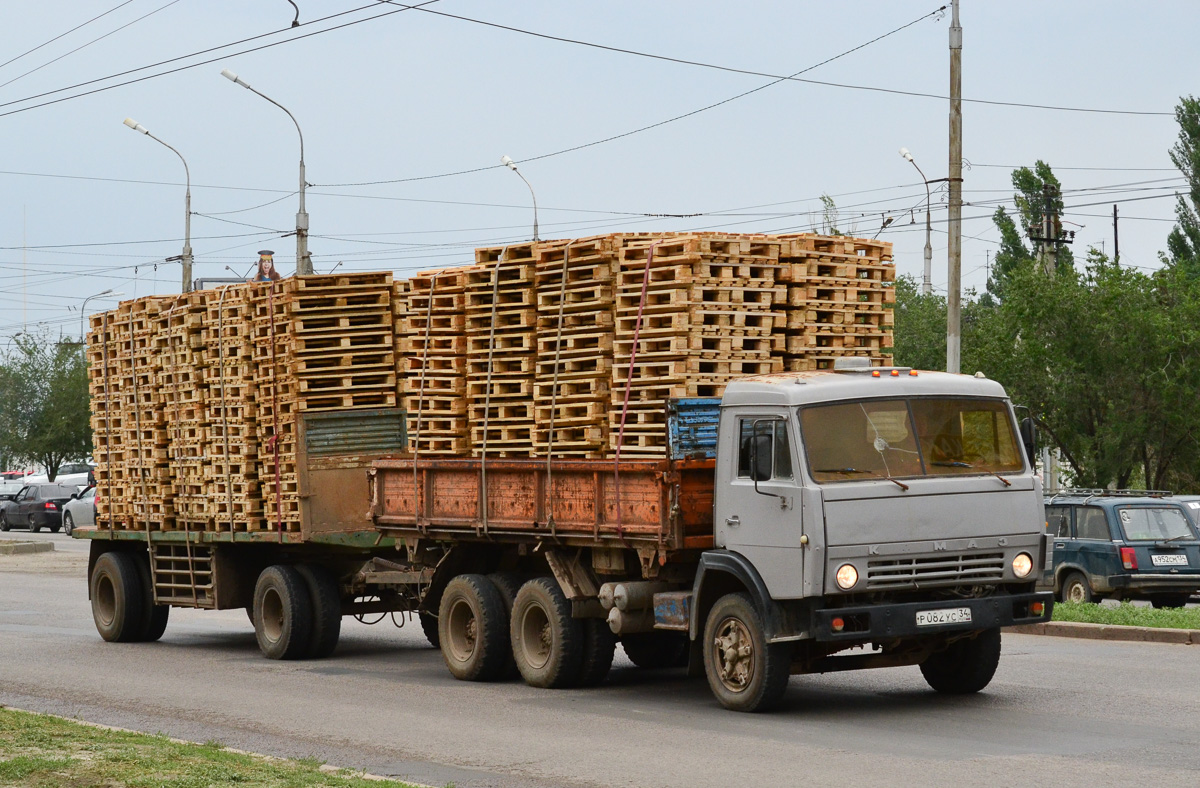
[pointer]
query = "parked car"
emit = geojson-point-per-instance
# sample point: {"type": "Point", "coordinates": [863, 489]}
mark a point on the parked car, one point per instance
{"type": "Point", "coordinates": [1122, 545]}
{"type": "Point", "coordinates": [37, 506]}
{"type": "Point", "coordinates": [80, 511]}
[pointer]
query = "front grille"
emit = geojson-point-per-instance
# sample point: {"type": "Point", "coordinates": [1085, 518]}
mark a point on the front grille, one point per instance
{"type": "Point", "coordinates": [938, 570]}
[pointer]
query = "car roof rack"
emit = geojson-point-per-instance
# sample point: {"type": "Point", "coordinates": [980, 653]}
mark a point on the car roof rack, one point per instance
{"type": "Point", "coordinates": [1092, 492]}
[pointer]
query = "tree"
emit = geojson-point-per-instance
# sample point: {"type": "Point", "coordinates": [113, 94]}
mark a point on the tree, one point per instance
{"type": "Point", "coordinates": [1030, 202]}
{"type": "Point", "coordinates": [919, 333]}
{"type": "Point", "coordinates": [1183, 243]}
{"type": "Point", "coordinates": [44, 411]}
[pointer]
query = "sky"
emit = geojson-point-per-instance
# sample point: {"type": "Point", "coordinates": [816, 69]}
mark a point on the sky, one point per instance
{"type": "Point", "coordinates": [622, 115]}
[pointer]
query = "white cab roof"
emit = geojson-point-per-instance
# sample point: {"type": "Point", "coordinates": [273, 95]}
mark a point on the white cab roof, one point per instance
{"type": "Point", "coordinates": [803, 388]}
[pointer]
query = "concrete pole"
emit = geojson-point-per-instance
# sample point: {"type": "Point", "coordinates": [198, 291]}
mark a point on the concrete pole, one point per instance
{"type": "Point", "coordinates": [954, 248]}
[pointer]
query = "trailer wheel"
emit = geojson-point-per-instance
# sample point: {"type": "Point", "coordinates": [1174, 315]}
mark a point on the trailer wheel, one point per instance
{"type": "Point", "coordinates": [599, 645]}
{"type": "Point", "coordinates": [656, 650]}
{"type": "Point", "coordinates": [471, 627]}
{"type": "Point", "coordinates": [154, 617]}
{"type": "Point", "coordinates": [744, 671]}
{"type": "Point", "coordinates": [547, 642]}
{"type": "Point", "coordinates": [429, 625]}
{"type": "Point", "coordinates": [117, 601]}
{"type": "Point", "coordinates": [966, 667]}
{"type": "Point", "coordinates": [326, 601]}
{"type": "Point", "coordinates": [282, 613]}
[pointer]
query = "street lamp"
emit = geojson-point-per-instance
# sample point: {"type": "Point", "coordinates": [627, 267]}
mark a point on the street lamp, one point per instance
{"type": "Point", "coordinates": [926, 284]}
{"type": "Point", "coordinates": [303, 261]}
{"type": "Point", "coordinates": [83, 311]}
{"type": "Point", "coordinates": [507, 162]}
{"type": "Point", "coordinates": [186, 257]}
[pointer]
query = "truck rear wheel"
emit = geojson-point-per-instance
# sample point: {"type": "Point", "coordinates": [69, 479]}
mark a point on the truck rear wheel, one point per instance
{"type": "Point", "coordinates": [656, 650]}
{"type": "Point", "coordinates": [508, 584]}
{"type": "Point", "coordinates": [154, 617]}
{"type": "Point", "coordinates": [117, 598]}
{"type": "Point", "coordinates": [283, 615]}
{"type": "Point", "coordinates": [966, 667]}
{"type": "Point", "coordinates": [547, 643]}
{"type": "Point", "coordinates": [599, 645]}
{"type": "Point", "coordinates": [744, 671]}
{"type": "Point", "coordinates": [472, 627]}
{"type": "Point", "coordinates": [326, 602]}
{"type": "Point", "coordinates": [429, 625]}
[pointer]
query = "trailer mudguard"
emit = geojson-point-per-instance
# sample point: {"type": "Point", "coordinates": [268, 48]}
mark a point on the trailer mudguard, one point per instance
{"type": "Point", "coordinates": [721, 572]}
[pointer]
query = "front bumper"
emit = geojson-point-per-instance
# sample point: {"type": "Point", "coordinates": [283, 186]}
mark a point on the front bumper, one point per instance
{"type": "Point", "coordinates": [879, 622]}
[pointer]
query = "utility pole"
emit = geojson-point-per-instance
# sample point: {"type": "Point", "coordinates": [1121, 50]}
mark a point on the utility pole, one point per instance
{"type": "Point", "coordinates": [954, 248]}
{"type": "Point", "coordinates": [1050, 235]}
{"type": "Point", "coordinates": [1116, 243]}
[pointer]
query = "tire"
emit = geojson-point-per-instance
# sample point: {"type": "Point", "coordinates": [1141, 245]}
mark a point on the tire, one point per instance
{"type": "Point", "coordinates": [744, 672]}
{"type": "Point", "coordinates": [154, 617]}
{"type": "Point", "coordinates": [429, 625]}
{"type": "Point", "coordinates": [117, 597]}
{"type": "Point", "coordinates": [68, 523]}
{"type": "Point", "coordinates": [473, 629]}
{"type": "Point", "coordinates": [656, 650]}
{"type": "Point", "coordinates": [33, 529]}
{"type": "Point", "coordinates": [966, 667]}
{"type": "Point", "coordinates": [1075, 588]}
{"type": "Point", "coordinates": [283, 619]}
{"type": "Point", "coordinates": [55, 529]}
{"type": "Point", "coordinates": [599, 645]}
{"type": "Point", "coordinates": [1162, 601]}
{"type": "Point", "coordinates": [4, 526]}
{"type": "Point", "coordinates": [326, 602]}
{"type": "Point", "coordinates": [547, 643]}
{"type": "Point", "coordinates": [508, 584]}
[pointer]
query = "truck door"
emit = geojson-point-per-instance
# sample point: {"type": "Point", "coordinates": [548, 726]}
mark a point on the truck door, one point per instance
{"type": "Point", "coordinates": [761, 519]}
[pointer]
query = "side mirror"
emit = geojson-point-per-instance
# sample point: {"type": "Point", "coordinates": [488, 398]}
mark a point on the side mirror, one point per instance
{"type": "Point", "coordinates": [760, 457]}
{"type": "Point", "coordinates": [1029, 438]}
{"type": "Point", "coordinates": [74, 496]}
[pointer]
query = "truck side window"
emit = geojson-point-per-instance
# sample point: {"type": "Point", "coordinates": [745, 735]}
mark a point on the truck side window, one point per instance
{"type": "Point", "coordinates": [1091, 523]}
{"type": "Point", "coordinates": [781, 447]}
{"type": "Point", "coordinates": [1058, 521]}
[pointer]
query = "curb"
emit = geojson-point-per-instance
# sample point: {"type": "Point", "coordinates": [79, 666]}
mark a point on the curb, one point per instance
{"type": "Point", "coordinates": [1070, 629]}
{"type": "Point", "coordinates": [21, 548]}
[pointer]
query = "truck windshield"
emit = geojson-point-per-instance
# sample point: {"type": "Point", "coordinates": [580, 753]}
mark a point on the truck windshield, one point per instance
{"type": "Point", "coordinates": [906, 438]}
{"type": "Point", "coordinates": [1154, 524]}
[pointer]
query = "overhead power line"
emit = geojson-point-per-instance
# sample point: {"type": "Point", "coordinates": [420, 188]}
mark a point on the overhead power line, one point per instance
{"type": "Point", "coordinates": [61, 35]}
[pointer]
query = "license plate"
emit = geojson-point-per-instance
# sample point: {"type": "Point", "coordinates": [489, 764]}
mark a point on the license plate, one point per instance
{"type": "Point", "coordinates": [949, 615]}
{"type": "Point", "coordinates": [1169, 560]}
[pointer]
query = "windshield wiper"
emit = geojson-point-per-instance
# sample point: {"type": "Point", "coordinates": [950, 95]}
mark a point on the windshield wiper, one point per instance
{"type": "Point", "coordinates": [1175, 539]}
{"type": "Point", "coordinates": [961, 464]}
{"type": "Point", "coordinates": [896, 482]}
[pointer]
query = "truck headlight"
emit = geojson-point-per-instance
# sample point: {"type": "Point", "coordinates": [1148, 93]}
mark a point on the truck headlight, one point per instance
{"type": "Point", "coordinates": [1022, 565]}
{"type": "Point", "coordinates": [847, 576]}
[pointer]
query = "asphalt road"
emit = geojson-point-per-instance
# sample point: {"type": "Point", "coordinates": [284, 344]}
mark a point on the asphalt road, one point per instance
{"type": "Point", "coordinates": [1060, 712]}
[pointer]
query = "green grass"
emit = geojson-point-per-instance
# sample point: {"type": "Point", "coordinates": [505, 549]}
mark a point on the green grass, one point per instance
{"type": "Point", "coordinates": [38, 751]}
{"type": "Point", "coordinates": [1128, 615]}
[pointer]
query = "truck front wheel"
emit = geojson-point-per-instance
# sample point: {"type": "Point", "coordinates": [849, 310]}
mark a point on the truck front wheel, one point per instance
{"type": "Point", "coordinates": [966, 666]}
{"type": "Point", "coordinates": [744, 671]}
{"type": "Point", "coordinates": [547, 643]}
{"type": "Point", "coordinates": [283, 615]}
{"type": "Point", "coordinates": [473, 629]}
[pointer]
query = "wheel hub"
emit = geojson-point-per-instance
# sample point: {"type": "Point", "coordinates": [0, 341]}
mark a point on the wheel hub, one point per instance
{"type": "Point", "coordinates": [734, 652]}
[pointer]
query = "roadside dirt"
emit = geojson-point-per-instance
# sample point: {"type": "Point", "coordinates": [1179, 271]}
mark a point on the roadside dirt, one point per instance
{"type": "Point", "coordinates": [57, 562]}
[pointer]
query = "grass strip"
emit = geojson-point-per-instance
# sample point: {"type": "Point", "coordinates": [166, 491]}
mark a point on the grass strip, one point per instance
{"type": "Point", "coordinates": [1128, 615]}
{"type": "Point", "coordinates": [41, 751]}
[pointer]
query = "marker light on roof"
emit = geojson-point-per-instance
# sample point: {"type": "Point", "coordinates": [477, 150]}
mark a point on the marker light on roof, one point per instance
{"type": "Point", "coordinates": [912, 372]}
{"type": "Point", "coordinates": [875, 374]}
{"type": "Point", "coordinates": [895, 373]}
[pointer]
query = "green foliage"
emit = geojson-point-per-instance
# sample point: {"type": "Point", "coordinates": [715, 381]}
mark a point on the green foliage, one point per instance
{"type": "Point", "coordinates": [1183, 243]}
{"type": "Point", "coordinates": [1128, 615]}
{"type": "Point", "coordinates": [919, 334]}
{"type": "Point", "coordinates": [1031, 204]}
{"type": "Point", "coordinates": [44, 412]}
{"type": "Point", "coordinates": [829, 216]}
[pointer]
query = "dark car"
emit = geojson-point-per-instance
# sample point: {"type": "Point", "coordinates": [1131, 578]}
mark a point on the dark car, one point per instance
{"type": "Point", "coordinates": [1122, 545]}
{"type": "Point", "coordinates": [37, 506]}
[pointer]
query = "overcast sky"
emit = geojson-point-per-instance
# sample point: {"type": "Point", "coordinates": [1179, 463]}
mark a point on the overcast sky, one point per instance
{"type": "Point", "coordinates": [393, 101]}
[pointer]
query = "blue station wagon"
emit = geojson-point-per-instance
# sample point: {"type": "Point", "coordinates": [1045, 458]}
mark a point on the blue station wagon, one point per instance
{"type": "Point", "coordinates": [1109, 544]}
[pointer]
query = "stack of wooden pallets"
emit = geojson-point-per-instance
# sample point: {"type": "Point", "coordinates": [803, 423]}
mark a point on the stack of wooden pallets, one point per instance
{"type": "Point", "coordinates": [431, 360]}
{"type": "Point", "coordinates": [573, 380]}
{"type": "Point", "coordinates": [839, 298]}
{"type": "Point", "coordinates": [501, 330]}
{"type": "Point", "coordinates": [693, 311]}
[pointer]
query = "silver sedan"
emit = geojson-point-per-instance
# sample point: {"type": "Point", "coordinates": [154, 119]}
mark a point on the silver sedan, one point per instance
{"type": "Point", "coordinates": [80, 511]}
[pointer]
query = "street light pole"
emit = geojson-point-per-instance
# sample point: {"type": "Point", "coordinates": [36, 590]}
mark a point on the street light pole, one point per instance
{"type": "Point", "coordinates": [926, 283]}
{"type": "Point", "coordinates": [507, 162]}
{"type": "Point", "coordinates": [186, 257]}
{"type": "Point", "coordinates": [83, 312]}
{"type": "Point", "coordinates": [303, 260]}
